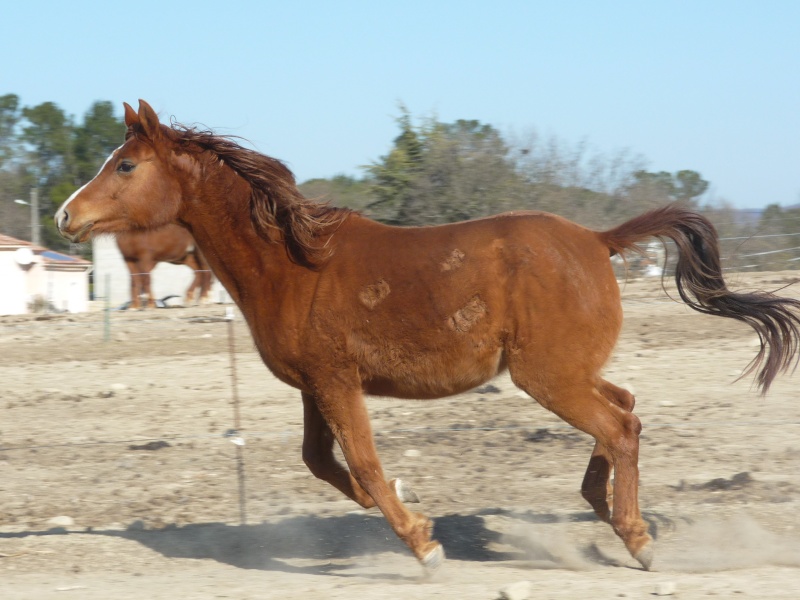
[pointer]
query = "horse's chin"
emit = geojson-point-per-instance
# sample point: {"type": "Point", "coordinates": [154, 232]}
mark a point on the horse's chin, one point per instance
{"type": "Point", "coordinates": [81, 235]}
{"type": "Point", "coordinates": [99, 228]}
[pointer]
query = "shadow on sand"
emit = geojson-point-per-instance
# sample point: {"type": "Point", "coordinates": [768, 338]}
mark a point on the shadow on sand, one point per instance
{"type": "Point", "coordinates": [330, 541]}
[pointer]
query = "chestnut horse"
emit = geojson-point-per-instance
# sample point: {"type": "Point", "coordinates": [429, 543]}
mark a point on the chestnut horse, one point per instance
{"type": "Point", "coordinates": [341, 306]}
{"type": "Point", "coordinates": [142, 250]}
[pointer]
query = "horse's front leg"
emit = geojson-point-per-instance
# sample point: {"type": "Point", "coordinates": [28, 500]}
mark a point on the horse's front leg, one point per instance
{"type": "Point", "coordinates": [151, 303]}
{"type": "Point", "coordinates": [342, 414]}
{"type": "Point", "coordinates": [134, 271]}
{"type": "Point", "coordinates": [319, 458]}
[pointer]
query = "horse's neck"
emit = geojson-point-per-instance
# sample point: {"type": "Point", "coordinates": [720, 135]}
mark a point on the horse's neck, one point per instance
{"type": "Point", "coordinates": [246, 264]}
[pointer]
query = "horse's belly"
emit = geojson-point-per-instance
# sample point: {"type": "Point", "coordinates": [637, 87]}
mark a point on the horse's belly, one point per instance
{"type": "Point", "coordinates": [434, 376]}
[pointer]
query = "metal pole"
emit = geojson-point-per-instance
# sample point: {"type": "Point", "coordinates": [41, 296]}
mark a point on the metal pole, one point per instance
{"type": "Point", "coordinates": [107, 311]}
{"type": "Point", "coordinates": [237, 438]}
{"type": "Point", "coordinates": [36, 238]}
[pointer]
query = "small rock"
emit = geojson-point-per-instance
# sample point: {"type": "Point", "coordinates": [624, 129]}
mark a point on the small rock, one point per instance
{"type": "Point", "coordinates": [118, 387]}
{"type": "Point", "coordinates": [488, 389]}
{"type": "Point", "coordinates": [666, 403]}
{"type": "Point", "coordinates": [520, 590]}
{"type": "Point", "coordinates": [412, 453]}
{"type": "Point", "coordinates": [155, 445]}
{"type": "Point", "coordinates": [666, 588]}
{"type": "Point", "coordinates": [61, 521]}
{"type": "Point", "coordinates": [137, 525]}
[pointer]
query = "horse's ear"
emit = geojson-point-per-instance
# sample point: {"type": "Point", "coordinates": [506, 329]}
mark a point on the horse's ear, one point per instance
{"type": "Point", "coordinates": [131, 118]}
{"type": "Point", "coordinates": [148, 119]}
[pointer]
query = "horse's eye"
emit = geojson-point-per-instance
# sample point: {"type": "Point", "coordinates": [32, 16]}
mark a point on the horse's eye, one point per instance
{"type": "Point", "coordinates": [125, 166]}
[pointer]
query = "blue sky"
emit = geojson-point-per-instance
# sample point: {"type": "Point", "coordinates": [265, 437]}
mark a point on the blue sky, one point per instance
{"type": "Point", "coordinates": [708, 85]}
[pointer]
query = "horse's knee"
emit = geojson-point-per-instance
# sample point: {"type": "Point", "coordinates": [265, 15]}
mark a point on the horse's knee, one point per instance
{"type": "Point", "coordinates": [626, 400]}
{"type": "Point", "coordinates": [626, 438]}
{"type": "Point", "coordinates": [368, 473]}
{"type": "Point", "coordinates": [619, 396]}
{"type": "Point", "coordinates": [317, 463]}
{"type": "Point", "coordinates": [632, 424]}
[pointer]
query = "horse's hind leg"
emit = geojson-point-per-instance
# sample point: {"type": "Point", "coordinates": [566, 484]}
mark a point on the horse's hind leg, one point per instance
{"type": "Point", "coordinates": [596, 487]}
{"type": "Point", "coordinates": [616, 430]}
{"type": "Point", "coordinates": [343, 415]}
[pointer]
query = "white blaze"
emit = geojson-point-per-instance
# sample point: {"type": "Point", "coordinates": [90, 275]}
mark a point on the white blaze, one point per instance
{"type": "Point", "coordinates": [60, 211]}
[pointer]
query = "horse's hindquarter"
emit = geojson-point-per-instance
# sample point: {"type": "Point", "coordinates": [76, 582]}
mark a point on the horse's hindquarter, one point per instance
{"type": "Point", "coordinates": [428, 312]}
{"type": "Point", "coordinates": [564, 301]}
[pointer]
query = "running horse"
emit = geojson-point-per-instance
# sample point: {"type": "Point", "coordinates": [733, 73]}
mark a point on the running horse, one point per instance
{"type": "Point", "coordinates": [143, 250]}
{"type": "Point", "coordinates": [341, 306]}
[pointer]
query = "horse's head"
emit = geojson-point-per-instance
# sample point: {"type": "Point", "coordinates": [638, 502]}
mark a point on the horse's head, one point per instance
{"type": "Point", "coordinates": [136, 188]}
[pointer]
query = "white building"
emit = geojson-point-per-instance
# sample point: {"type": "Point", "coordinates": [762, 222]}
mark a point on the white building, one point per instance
{"type": "Point", "coordinates": [35, 278]}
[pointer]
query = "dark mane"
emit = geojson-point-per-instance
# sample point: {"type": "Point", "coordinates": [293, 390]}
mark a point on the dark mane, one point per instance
{"type": "Point", "coordinates": [276, 205]}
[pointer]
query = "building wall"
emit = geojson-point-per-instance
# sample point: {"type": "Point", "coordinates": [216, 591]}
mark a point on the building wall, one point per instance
{"type": "Point", "coordinates": [65, 288]}
{"type": "Point", "coordinates": [69, 289]}
{"type": "Point", "coordinates": [14, 294]}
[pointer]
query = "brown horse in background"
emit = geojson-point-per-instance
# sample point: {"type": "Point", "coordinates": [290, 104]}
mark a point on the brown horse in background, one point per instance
{"type": "Point", "coordinates": [341, 306]}
{"type": "Point", "coordinates": [142, 250]}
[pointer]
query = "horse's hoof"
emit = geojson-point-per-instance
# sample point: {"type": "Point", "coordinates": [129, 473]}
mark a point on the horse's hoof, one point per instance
{"type": "Point", "coordinates": [645, 555]}
{"type": "Point", "coordinates": [404, 491]}
{"type": "Point", "coordinates": [433, 559]}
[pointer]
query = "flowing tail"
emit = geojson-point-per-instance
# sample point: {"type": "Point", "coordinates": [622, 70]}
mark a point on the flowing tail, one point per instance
{"type": "Point", "coordinates": [698, 276]}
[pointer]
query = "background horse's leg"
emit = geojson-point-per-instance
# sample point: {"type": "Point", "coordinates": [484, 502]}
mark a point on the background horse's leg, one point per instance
{"type": "Point", "coordinates": [616, 431]}
{"type": "Point", "coordinates": [135, 287]}
{"type": "Point", "coordinates": [146, 265]}
{"type": "Point", "coordinates": [145, 279]}
{"type": "Point", "coordinates": [205, 277]}
{"type": "Point", "coordinates": [596, 487]}
{"type": "Point", "coordinates": [346, 416]}
{"type": "Point", "coordinates": [205, 285]}
{"type": "Point", "coordinates": [191, 262]}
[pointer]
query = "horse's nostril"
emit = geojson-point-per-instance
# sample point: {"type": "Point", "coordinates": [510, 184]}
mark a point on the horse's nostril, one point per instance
{"type": "Point", "coordinates": [62, 219]}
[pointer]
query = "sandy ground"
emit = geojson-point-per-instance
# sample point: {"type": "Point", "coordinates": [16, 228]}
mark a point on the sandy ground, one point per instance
{"type": "Point", "coordinates": [122, 442]}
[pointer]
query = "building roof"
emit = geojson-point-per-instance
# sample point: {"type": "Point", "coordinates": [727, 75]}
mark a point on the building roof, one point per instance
{"type": "Point", "coordinates": [14, 243]}
{"type": "Point", "coordinates": [50, 258]}
{"type": "Point", "coordinates": [56, 259]}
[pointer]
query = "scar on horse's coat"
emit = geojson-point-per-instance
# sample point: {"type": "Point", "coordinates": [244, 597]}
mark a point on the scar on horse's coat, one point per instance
{"type": "Point", "coordinates": [453, 261]}
{"type": "Point", "coordinates": [464, 318]}
{"type": "Point", "coordinates": [372, 295]}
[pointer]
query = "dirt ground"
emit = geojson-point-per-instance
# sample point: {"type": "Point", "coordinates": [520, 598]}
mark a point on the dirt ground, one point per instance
{"type": "Point", "coordinates": [117, 478]}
